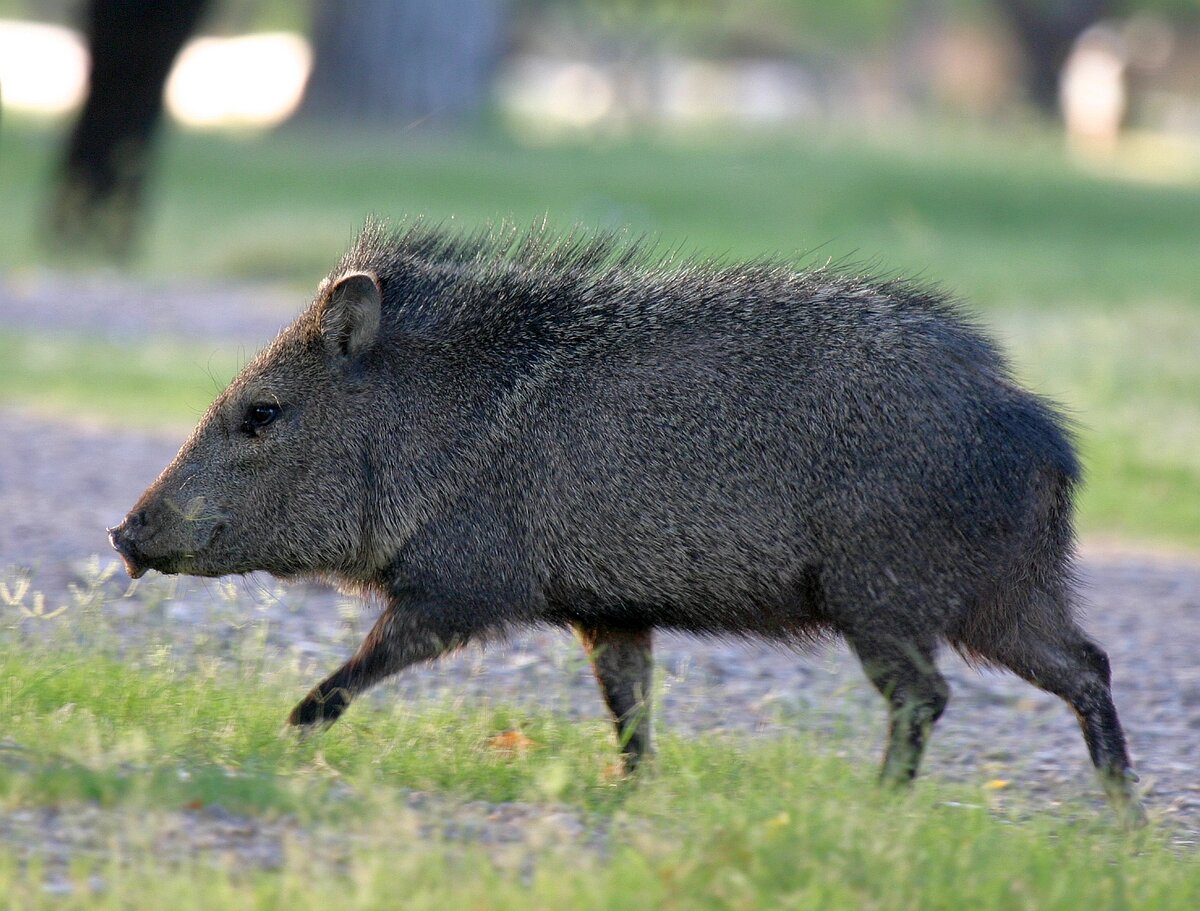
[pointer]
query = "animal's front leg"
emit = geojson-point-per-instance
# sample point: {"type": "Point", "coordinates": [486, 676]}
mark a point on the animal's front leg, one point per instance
{"type": "Point", "coordinates": [402, 636]}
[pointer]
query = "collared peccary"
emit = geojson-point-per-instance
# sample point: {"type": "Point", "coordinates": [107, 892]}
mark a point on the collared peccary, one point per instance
{"type": "Point", "coordinates": [512, 429]}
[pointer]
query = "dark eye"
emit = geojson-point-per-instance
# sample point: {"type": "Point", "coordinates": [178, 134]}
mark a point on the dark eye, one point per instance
{"type": "Point", "coordinates": [259, 416]}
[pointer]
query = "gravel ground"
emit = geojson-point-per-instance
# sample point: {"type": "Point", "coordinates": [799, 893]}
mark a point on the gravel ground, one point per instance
{"type": "Point", "coordinates": [108, 305]}
{"type": "Point", "coordinates": [61, 483]}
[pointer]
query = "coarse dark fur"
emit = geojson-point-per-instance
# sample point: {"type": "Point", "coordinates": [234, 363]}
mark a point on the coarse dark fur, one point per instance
{"type": "Point", "coordinates": [514, 428]}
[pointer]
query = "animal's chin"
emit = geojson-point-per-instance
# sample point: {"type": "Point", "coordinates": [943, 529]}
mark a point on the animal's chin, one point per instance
{"type": "Point", "coordinates": [209, 565]}
{"type": "Point", "coordinates": [169, 566]}
{"type": "Point", "coordinates": [132, 568]}
{"type": "Point", "coordinates": [203, 565]}
{"type": "Point", "coordinates": [138, 562]}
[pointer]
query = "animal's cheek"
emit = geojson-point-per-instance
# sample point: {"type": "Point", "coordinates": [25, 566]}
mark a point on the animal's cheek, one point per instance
{"type": "Point", "coordinates": [253, 457]}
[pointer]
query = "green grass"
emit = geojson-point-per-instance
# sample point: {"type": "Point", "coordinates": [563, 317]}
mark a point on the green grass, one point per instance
{"type": "Point", "coordinates": [716, 823]}
{"type": "Point", "coordinates": [1130, 381]}
{"type": "Point", "coordinates": [1002, 220]}
{"type": "Point", "coordinates": [167, 385]}
{"type": "Point", "coordinates": [100, 730]}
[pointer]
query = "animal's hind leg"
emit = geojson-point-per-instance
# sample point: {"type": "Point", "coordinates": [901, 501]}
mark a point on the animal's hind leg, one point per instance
{"type": "Point", "coordinates": [903, 670]}
{"type": "Point", "coordinates": [1076, 670]}
{"type": "Point", "coordinates": [623, 665]}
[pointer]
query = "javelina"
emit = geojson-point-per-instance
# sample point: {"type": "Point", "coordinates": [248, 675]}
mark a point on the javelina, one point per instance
{"type": "Point", "coordinates": [506, 429]}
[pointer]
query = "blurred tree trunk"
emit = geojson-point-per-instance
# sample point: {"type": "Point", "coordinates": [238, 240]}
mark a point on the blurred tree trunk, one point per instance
{"type": "Point", "coordinates": [391, 62]}
{"type": "Point", "coordinates": [1046, 31]}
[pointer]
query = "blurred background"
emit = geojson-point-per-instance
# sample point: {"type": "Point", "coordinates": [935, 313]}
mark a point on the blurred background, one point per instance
{"type": "Point", "coordinates": [1039, 158]}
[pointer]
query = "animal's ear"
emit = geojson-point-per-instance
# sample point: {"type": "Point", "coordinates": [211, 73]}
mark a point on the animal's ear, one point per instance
{"type": "Point", "coordinates": [349, 314]}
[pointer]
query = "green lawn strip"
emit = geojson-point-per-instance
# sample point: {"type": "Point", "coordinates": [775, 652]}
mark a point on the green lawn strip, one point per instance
{"type": "Point", "coordinates": [162, 385]}
{"type": "Point", "coordinates": [91, 728]}
{"type": "Point", "coordinates": [717, 823]}
{"type": "Point", "coordinates": [998, 219]}
{"type": "Point", "coordinates": [1129, 379]}
{"type": "Point", "coordinates": [984, 228]}
{"type": "Point", "coordinates": [846, 853]}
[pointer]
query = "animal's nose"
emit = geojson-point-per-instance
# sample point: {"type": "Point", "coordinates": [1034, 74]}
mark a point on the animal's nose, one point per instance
{"type": "Point", "coordinates": [126, 531]}
{"type": "Point", "coordinates": [124, 541]}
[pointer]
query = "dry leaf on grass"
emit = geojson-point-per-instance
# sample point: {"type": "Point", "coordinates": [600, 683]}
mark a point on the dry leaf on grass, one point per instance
{"type": "Point", "coordinates": [512, 743]}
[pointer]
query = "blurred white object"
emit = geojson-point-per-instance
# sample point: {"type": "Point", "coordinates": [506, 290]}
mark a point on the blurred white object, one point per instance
{"type": "Point", "coordinates": [1092, 89]}
{"type": "Point", "coordinates": [43, 68]}
{"type": "Point", "coordinates": [251, 80]}
{"type": "Point", "coordinates": [572, 95]}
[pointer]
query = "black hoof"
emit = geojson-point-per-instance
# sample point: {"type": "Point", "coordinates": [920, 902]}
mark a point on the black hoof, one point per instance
{"type": "Point", "coordinates": [319, 709]}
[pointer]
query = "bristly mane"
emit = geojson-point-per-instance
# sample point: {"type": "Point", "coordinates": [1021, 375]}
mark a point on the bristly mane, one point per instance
{"type": "Point", "coordinates": [510, 280]}
{"type": "Point", "coordinates": [578, 253]}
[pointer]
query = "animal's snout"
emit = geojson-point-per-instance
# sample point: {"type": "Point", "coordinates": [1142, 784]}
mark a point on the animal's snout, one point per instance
{"type": "Point", "coordinates": [125, 537]}
{"type": "Point", "coordinates": [162, 535]}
